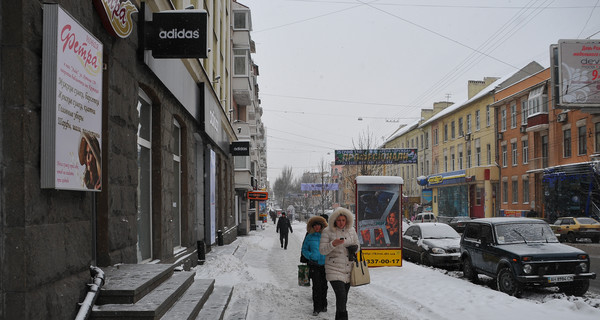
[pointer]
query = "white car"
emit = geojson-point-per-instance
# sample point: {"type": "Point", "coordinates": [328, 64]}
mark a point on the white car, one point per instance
{"type": "Point", "coordinates": [425, 217]}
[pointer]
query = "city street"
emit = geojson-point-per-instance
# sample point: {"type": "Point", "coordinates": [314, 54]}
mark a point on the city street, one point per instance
{"type": "Point", "coordinates": [264, 277]}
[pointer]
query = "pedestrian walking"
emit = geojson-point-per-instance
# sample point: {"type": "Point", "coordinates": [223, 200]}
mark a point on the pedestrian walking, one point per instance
{"type": "Point", "coordinates": [339, 243]}
{"type": "Point", "coordinates": [283, 226]}
{"type": "Point", "coordinates": [316, 263]}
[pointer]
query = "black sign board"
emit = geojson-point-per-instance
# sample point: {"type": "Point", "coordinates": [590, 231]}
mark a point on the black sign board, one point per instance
{"type": "Point", "coordinates": [240, 148]}
{"type": "Point", "coordinates": [177, 34]}
{"type": "Point", "coordinates": [258, 195]}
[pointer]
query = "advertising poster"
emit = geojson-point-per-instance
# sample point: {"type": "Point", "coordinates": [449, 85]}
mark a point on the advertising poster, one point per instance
{"type": "Point", "coordinates": [72, 104]}
{"type": "Point", "coordinates": [579, 72]}
{"type": "Point", "coordinates": [378, 217]}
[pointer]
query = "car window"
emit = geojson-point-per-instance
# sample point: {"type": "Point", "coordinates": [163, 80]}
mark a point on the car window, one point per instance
{"type": "Point", "coordinates": [587, 221]}
{"type": "Point", "coordinates": [473, 231]}
{"type": "Point", "coordinates": [486, 233]}
{"type": "Point", "coordinates": [410, 231]}
{"type": "Point", "coordinates": [558, 222]}
{"type": "Point", "coordinates": [524, 233]}
{"type": "Point", "coordinates": [568, 221]}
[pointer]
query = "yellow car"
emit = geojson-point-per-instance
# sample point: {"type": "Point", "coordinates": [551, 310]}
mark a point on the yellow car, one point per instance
{"type": "Point", "coordinates": [571, 228]}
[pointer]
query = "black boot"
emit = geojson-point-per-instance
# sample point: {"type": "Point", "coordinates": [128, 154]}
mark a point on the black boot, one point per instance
{"type": "Point", "coordinates": [341, 315]}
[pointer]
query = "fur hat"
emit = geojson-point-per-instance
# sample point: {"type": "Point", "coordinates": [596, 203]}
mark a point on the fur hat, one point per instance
{"type": "Point", "coordinates": [315, 220]}
{"type": "Point", "coordinates": [345, 212]}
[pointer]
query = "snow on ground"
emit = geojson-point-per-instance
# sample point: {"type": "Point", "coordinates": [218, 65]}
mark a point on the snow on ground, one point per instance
{"type": "Point", "coordinates": [264, 277]}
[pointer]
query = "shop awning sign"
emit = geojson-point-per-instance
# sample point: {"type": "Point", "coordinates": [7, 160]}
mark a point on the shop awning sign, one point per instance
{"type": "Point", "coordinates": [116, 16]}
{"type": "Point", "coordinates": [177, 34]}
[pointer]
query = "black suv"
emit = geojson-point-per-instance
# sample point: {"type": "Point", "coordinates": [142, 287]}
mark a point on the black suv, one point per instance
{"type": "Point", "coordinates": [520, 251]}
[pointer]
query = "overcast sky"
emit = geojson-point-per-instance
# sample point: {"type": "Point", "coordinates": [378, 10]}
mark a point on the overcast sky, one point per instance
{"type": "Point", "coordinates": [325, 63]}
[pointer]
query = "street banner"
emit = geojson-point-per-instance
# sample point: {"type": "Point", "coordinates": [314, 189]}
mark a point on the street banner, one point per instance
{"type": "Point", "coordinates": [318, 186]}
{"type": "Point", "coordinates": [375, 156]}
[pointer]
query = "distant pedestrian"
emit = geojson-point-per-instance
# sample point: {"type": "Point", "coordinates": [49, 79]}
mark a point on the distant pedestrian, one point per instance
{"type": "Point", "coordinates": [339, 243]}
{"type": "Point", "coordinates": [283, 226]}
{"type": "Point", "coordinates": [316, 263]}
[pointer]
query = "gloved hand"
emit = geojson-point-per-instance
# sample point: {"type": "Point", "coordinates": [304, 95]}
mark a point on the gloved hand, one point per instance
{"type": "Point", "coordinates": [352, 252]}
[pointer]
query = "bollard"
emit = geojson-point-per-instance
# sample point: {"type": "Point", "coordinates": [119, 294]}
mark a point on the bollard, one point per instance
{"type": "Point", "coordinates": [220, 237]}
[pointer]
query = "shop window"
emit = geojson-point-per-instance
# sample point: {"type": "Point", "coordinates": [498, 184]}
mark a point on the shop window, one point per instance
{"type": "Point", "coordinates": [144, 185]}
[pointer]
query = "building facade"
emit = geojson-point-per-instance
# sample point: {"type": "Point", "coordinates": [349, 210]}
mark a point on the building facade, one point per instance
{"type": "Point", "coordinates": [166, 182]}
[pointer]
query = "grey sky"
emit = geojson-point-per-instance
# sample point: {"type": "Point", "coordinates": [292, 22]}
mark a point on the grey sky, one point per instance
{"type": "Point", "coordinates": [325, 63]}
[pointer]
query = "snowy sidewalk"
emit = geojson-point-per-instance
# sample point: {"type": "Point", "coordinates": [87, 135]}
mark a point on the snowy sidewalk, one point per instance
{"type": "Point", "coordinates": [264, 277]}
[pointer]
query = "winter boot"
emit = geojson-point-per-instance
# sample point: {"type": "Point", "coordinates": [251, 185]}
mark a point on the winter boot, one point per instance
{"type": "Point", "coordinates": [341, 315]}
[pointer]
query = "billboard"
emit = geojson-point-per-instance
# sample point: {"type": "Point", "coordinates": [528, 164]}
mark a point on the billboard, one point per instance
{"type": "Point", "coordinates": [318, 186]}
{"type": "Point", "coordinates": [71, 154]}
{"type": "Point", "coordinates": [378, 216]}
{"type": "Point", "coordinates": [579, 73]}
{"type": "Point", "coordinates": [375, 156]}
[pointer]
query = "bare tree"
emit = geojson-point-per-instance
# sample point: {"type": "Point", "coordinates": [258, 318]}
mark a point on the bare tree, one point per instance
{"type": "Point", "coordinates": [283, 185]}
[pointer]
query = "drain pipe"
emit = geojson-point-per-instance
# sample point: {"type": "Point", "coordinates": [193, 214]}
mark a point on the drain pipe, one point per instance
{"type": "Point", "coordinates": [90, 299]}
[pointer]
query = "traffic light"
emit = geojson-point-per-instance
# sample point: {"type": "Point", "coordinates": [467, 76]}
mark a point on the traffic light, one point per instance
{"type": "Point", "coordinates": [258, 195]}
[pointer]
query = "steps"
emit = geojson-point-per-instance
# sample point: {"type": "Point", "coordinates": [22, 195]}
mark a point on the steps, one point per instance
{"type": "Point", "coordinates": [158, 292]}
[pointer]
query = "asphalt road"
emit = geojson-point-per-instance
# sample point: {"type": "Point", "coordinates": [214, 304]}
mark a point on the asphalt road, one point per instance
{"type": "Point", "coordinates": [593, 249]}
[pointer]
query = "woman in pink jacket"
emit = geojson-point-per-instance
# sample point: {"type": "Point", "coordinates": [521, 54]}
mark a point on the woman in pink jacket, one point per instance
{"type": "Point", "coordinates": [339, 243]}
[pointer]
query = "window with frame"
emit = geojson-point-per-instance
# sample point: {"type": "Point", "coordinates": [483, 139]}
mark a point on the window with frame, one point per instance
{"type": "Point", "coordinates": [453, 160]}
{"type": "Point", "coordinates": [544, 150]}
{"type": "Point", "coordinates": [240, 20]}
{"type": "Point", "coordinates": [505, 191]}
{"type": "Point", "coordinates": [426, 140]}
{"type": "Point", "coordinates": [525, 151]}
{"type": "Point", "coordinates": [525, 190]}
{"type": "Point", "coordinates": [477, 153]}
{"type": "Point", "coordinates": [503, 119]}
{"type": "Point", "coordinates": [597, 125]}
{"type": "Point", "coordinates": [452, 130]}
{"type": "Point", "coordinates": [566, 143]}
{"type": "Point", "coordinates": [435, 137]}
{"type": "Point", "coordinates": [469, 123]}
{"type": "Point", "coordinates": [468, 147]}
{"type": "Point", "coordinates": [240, 62]}
{"type": "Point", "coordinates": [513, 146]}
{"type": "Point", "coordinates": [144, 187]}
{"type": "Point", "coordinates": [477, 120]}
{"type": "Point", "coordinates": [478, 196]}
{"type": "Point", "coordinates": [489, 154]}
{"type": "Point", "coordinates": [445, 132]}
{"type": "Point", "coordinates": [536, 101]}
{"type": "Point", "coordinates": [513, 116]}
{"type": "Point", "coordinates": [504, 155]}
{"type": "Point", "coordinates": [460, 157]}
{"type": "Point", "coordinates": [445, 160]}
{"type": "Point", "coordinates": [487, 116]}
{"type": "Point", "coordinates": [515, 191]}
{"type": "Point", "coordinates": [582, 147]}
{"type": "Point", "coordinates": [460, 127]}
{"type": "Point", "coordinates": [523, 111]}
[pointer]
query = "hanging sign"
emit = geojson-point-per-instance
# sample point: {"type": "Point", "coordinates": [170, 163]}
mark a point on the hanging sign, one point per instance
{"type": "Point", "coordinates": [177, 34]}
{"type": "Point", "coordinates": [116, 16]}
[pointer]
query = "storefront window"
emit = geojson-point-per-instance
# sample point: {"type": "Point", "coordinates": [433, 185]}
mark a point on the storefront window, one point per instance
{"type": "Point", "coordinates": [453, 201]}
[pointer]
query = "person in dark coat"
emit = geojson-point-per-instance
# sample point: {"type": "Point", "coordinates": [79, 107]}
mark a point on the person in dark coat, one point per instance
{"type": "Point", "coordinates": [316, 263]}
{"type": "Point", "coordinates": [283, 226]}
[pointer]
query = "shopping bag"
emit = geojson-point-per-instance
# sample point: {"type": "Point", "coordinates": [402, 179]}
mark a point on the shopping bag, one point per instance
{"type": "Point", "coordinates": [360, 272]}
{"type": "Point", "coordinates": [303, 275]}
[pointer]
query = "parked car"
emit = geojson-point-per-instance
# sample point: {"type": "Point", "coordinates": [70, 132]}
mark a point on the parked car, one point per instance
{"type": "Point", "coordinates": [519, 252]}
{"type": "Point", "coordinates": [432, 244]}
{"type": "Point", "coordinates": [425, 217]}
{"type": "Point", "coordinates": [571, 228]}
{"type": "Point", "coordinates": [459, 223]}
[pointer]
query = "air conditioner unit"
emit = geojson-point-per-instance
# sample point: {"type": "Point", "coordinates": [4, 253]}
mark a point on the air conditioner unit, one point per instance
{"type": "Point", "coordinates": [500, 136]}
{"type": "Point", "coordinates": [561, 117]}
{"type": "Point", "coordinates": [523, 128]}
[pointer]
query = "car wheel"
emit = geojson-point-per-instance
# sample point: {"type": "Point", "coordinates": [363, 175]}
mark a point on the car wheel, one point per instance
{"type": "Point", "coordinates": [571, 237]}
{"type": "Point", "coordinates": [425, 259]}
{"type": "Point", "coordinates": [507, 283]}
{"type": "Point", "coordinates": [576, 288]}
{"type": "Point", "coordinates": [468, 271]}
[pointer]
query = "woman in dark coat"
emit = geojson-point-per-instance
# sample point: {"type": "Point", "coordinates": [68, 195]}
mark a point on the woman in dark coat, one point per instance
{"type": "Point", "coordinates": [316, 262]}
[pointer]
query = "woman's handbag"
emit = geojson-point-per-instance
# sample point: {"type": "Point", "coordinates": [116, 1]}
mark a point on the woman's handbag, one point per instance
{"type": "Point", "coordinates": [303, 275]}
{"type": "Point", "coordinates": [360, 272]}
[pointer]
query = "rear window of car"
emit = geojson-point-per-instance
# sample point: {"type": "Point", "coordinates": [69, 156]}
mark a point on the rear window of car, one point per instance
{"type": "Point", "coordinates": [587, 221]}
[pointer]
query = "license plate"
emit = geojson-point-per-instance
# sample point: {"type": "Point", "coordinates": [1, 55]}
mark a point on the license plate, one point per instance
{"type": "Point", "coordinates": [560, 279]}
